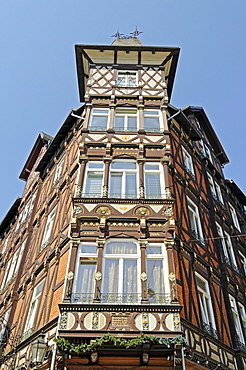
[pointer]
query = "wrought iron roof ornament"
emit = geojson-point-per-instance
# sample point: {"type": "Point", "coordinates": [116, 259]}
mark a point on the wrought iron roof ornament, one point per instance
{"type": "Point", "coordinates": [133, 35]}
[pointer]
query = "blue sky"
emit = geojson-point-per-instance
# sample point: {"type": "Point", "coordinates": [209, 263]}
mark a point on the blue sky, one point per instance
{"type": "Point", "coordinates": [38, 83]}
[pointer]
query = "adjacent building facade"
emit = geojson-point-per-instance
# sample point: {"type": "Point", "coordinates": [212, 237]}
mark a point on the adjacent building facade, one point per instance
{"type": "Point", "coordinates": [127, 247]}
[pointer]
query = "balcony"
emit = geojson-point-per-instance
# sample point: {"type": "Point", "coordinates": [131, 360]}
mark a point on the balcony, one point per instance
{"type": "Point", "coordinates": [114, 298]}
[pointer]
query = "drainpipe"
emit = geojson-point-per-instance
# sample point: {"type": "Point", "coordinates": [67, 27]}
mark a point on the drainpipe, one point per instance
{"type": "Point", "coordinates": [183, 359]}
{"type": "Point", "coordinates": [75, 115]}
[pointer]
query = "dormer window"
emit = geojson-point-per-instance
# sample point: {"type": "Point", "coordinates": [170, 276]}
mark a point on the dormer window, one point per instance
{"type": "Point", "coordinates": [127, 79]}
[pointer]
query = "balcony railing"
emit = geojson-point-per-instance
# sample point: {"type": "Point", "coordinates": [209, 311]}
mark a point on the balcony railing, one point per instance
{"type": "Point", "coordinates": [210, 330]}
{"type": "Point", "coordinates": [165, 195]}
{"type": "Point", "coordinates": [117, 298]}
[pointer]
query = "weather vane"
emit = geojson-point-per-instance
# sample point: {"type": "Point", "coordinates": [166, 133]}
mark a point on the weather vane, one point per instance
{"type": "Point", "coordinates": [133, 35]}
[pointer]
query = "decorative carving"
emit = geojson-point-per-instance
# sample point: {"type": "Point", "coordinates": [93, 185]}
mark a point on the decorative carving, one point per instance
{"type": "Point", "coordinates": [78, 191]}
{"type": "Point", "coordinates": [176, 321]}
{"type": "Point", "coordinates": [63, 320]}
{"type": "Point", "coordinates": [98, 275]}
{"type": "Point", "coordinates": [168, 211]}
{"type": "Point", "coordinates": [145, 321]}
{"type": "Point", "coordinates": [171, 276]}
{"type": "Point", "coordinates": [95, 321]}
{"type": "Point", "coordinates": [70, 275]}
{"type": "Point", "coordinates": [103, 211]}
{"type": "Point", "coordinates": [125, 137]}
{"type": "Point", "coordinates": [78, 210]}
{"type": "Point", "coordinates": [141, 191]}
{"type": "Point", "coordinates": [142, 211]}
{"type": "Point", "coordinates": [143, 276]}
{"type": "Point", "coordinates": [105, 190]}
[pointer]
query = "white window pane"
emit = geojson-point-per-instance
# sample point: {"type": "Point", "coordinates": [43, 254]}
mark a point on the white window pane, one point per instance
{"type": "Point", "coordinates": [155, 275]}
{"type": "Point", "coordinates": [153, 250]}
{"type": "Point", "coordinates": [111, 276]}
{"type": "Point", "coordinates": [94, 183]}
{"type": "Point", "coordinates": [95, 165]}
{"type": "Point", "coordinates": [152, 167]}
{"type": "Point", "coordinates": [99, 122]}
{"type": "Point", "coordinates": [116, 184]}
{"type": "Point", "coordinates": [132, 123]}
{"type": "Point", "coordinates": [121, 248]}
{"type": "Point", "coordinates": [152, 185]}
{"type": "Point", "coordinates": [130, 276]}
{"type": "Point", "coordinates": [86, 274]}
{"type": "Point", "coordinates": [121, 165]}
{"type": "Point", "coordinates": [119, 123]}
{"type": "Point", "coordinates": [89, 249]}
{"type": "Point", "coordinates": [131, 186]}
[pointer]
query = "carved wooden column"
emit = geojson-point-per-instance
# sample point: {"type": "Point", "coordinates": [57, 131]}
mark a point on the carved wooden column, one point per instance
{"type": "Point", "coordinates": [79, 187]}
{"type": "Point", "coordinates": [141, 176]}
{"type": "Point", "coordinates": [169, 243]}
{"type": "Point", "coordinates": [70, 275]}
{"type": "Point", "coordinates": [111, 117]}
{"type": "Point", "coordinates": [107, 162]}
{"type": "Point", "coordinates": [165, 163]}
{"type": "Point", "coordinates": [98, 275]}
{"type": "Point", "coordinates": [143, 276]}
{"type": "Point", "coordinates": [164, 119]}
{"type": "Point", "coordinates": [140, 118]}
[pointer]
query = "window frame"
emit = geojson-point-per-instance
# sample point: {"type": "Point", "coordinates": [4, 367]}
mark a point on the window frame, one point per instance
{"type": "Point", "coordinates": [48, 230]}
{"type": "Point", "coordinates": [127, 83]}
{"type": "Point", "coordinates": [33, 312]}
{"type": "Point", "coordinates": [123, 194]}
{"type": "Point", "coordinates": [234, 217]}
{"type": "Point", "coordinates": [205, 302]}
{"type": "Point", "coordinates": [197, 232]}
{"type": "Point", "coordinates": [156, 113]}
{"type": "Point", "coordinates": [188, 162]}
{"type": "Point", "coordinates": [126, 117]}
{"type": "Point", "coordinates": [236, 319]}
{"type": "Point", "coordinates": [93, 114]}
{"type": "Point", "coordinates": [89, 170]}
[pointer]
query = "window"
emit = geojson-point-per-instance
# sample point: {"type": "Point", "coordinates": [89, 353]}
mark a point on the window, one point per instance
{"type": "Point", "coordinates": [93, 180]}
{"type": "Point", "coordinates": [243, 261]}
{"type": "Point", "coordinates": [218, 193]}
{"type": "Point", "coordinates": [188, 164]}
{"type": "Point", "coordinates": [58, 171]}
{"type": "Point", "coordinates": [12, 266]}
{"type": "Point", "coordinates": [212, 187]}
{"type": "Point", "coordinates": [26, 211]}
{"type": "Point", "coordinates": [123, 179]}
{"type": "Point", "coordinates": [127, 79]}
{"type": "Point", "coordinates": [152, 180]}
{"type": "Point", "coordinates": [48, 229]}
{"type": "Point", "coordinates": [206, 306]}
{"type": "Point", "coordinates": [99, 119]}
{"type": "Point", "coordinates": [4, 328]}
{"type": "Point", "coordinates": [156, 273]}
{"type": "Point", "coordinates": [121, 270]}
{"type": "Point", "coordinates": [243, 316]}
{"type": "Point", "coordinates": [33, 310]}
{"type": "Point", "coordinates": [236, 320]}
{"type": "Point", "coordinates": [228, 252]}
{"type": "Point", "coordinates": [195, 222]}
{"type": "Point", "coordinates": [84, 284]}
{"type": "Point", "coordinates": [125, 119]}
{"type": "Point", "coordinates": [152, 121]}
{"type": "Point", "coordinates": [234, 217]}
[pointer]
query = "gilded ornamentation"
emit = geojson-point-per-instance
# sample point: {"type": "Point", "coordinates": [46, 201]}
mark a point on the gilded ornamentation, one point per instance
{"type": "Point", "coordinates": [103, 211]}
{"type": "Point", "coordinates": [143, 276]}
{"type": "Point", "coordinates": [176, 321]}
{"type": "Point", "coordinates": [125, 137]}
{"type": "Point", "coordinates": [95, 321]}
{"type": "Point", "coordinates": [145, 321]}
{"type": "Point", "coordinates": [70, 275]}
{"type": "Point", "coordinates": [171, 276]}
{"type": "Point", "coordinates": [98, 275]}
{"type": "Point", "coordinates": [142, 211]}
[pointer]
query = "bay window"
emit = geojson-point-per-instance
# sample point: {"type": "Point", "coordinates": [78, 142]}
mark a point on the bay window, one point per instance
{"type": "Point", "coordinates": [125, 119]}
{"type": "Point", "coordinates": [93, 179]}
{"type": "Point", "coordinates": [123, 179]}
{"type": "Point", "coordinates": [99, 119]}
{"type": "Point", "coordinates": [120, 272]}
{"type": "Point", "coordinates": [152, 180]}
{"type": "Point", "coordinates": [152, 121]}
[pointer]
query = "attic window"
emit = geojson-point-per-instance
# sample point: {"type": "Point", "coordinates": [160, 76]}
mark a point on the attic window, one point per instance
{"type": "Point", "coordinates": [126, 79]}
